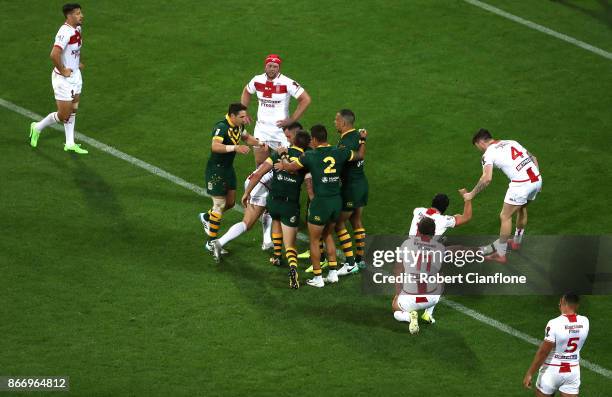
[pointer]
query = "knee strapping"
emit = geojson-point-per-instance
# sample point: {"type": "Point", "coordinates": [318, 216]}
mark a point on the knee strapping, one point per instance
{"type": "Point", "coordinates": [218, 205]}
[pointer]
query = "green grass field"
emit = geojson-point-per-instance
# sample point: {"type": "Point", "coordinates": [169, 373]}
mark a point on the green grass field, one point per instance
{"type": "Point", "coordinates": [103, 274]}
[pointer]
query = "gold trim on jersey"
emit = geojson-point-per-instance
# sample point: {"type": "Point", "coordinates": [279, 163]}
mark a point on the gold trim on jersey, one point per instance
{"type": "Point", "coordinates": [297, 148]}
{"type": "Point", "coordinates": [227, 117]}
{"type": "Point", "coordinates": [346, 132]}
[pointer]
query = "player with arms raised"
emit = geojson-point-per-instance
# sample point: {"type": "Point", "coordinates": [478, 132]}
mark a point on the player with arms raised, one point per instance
{"type": "Point", "coordinates": [558, 357]}
{"type": "Point", "coordinates": [65, 78]}
{"type": "Point", "coordinates": [521, 167]}
{"type": "Point", "coordinates": [274, 91]}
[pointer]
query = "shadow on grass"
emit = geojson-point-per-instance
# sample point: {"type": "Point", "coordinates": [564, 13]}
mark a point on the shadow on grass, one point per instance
{"type": "Point", "coordinates": [604, 16]}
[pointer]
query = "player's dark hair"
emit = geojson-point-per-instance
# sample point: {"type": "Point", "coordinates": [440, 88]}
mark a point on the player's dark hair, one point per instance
{"type": "Point", "coordinates": [293, 126]}
{"type": "Point", "coordinates": [319, 132]}
{"type": "Point", "coordinates": [427, 227]}
{"type": "Point", "coordinates": [302, 139]}
{"type": "Point", "coordinates": [236, 108]}
{"type": "Point", "coordinates": [481, 135]}
{"type": "Point", "coordinates": [348, 116]}
{"type": "Point", "coordinates": [69, 7]}
{"type": "Point", "coordinates": [571, 299]}
{"type": "Point", "coordinates": [440, 202]}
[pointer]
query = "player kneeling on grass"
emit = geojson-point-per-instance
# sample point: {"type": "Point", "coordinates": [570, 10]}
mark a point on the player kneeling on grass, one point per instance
{"type": "Point", "coordinates": [558, 357]}
{"type": "Point", "coordinates": [220, 174]}
{"type": "Point", "coordinates": [325, 164]}
{"type": "Point", "coordinates": [412, 296]}
{"type": "Point", "coordinates": [284, 202]}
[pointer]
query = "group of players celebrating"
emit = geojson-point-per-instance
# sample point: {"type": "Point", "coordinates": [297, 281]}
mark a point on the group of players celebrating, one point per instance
{"type": "Point", "coordinates": [287, 156]}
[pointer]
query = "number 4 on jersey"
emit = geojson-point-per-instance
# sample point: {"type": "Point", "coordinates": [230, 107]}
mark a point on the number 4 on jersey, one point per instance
{"type": "Point", "coordinates": [515, 153]}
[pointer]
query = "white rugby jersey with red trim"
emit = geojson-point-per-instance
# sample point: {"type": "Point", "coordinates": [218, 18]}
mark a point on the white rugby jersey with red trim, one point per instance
{"type": "Point", "coordinates": [443, 222]}
{"type": "Point", "coordinates": [69, 40]}
{"type": "Point", "coordinates": [274, 97]}
{"type": "Point", "coordinates": [421, 254]}
{"type": "Point", "coordinates": [568, 332]}
{"type": "Point", "coordinates": [513, 159]}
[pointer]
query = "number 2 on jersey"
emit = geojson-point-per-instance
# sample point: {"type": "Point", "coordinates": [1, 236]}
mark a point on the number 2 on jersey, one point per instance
{"type": "Point", "coordinates": [330, 161]}
{"type": "Point", "coordinates": [515, 153]}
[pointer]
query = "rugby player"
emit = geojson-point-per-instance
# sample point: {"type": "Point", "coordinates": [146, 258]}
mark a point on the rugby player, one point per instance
{"type": "Point", "coordinates": [521, 167]}
{"type": "Point", "coordinates": [65, 78]}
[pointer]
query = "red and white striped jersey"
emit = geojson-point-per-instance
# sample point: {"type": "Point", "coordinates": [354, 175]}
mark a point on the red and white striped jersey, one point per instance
{"type": "Point", "coordinates": [274, 97]}
{"type": "Point", "coordinates": [568, 332]}
{"type": "Point", "coordinates": [443, 222]}
{"type": "Point", "coordinates": [513, 159]}
{"type": "Point", "coordinates": [69, 40]}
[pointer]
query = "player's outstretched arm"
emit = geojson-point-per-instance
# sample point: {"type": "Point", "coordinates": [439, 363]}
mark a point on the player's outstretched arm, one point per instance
{"type": "Point", "coordinates": [464, 218]}
{"type": "Point", "coordinates": [483, 182]}
{"type": "Point", "coordinates": [537, 362]}
{"type": "Point", "coordinates": [218, 147]}
{"type": "Point", "coordinates": [263, 169]}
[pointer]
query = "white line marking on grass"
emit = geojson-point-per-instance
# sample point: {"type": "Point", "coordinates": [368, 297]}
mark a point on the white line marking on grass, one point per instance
{"type": "Point", "coordinates": [202, 192]}
{"type": "Point", "coordinates": [540, 28]}
{"type": "Point", "coordinates": [517, 334]}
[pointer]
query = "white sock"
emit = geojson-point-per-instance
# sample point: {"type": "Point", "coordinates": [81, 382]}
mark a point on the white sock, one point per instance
{"type": "Point", "coordinates": [236, 230]}
{"type": "Point", "coordinates": [332, 272]}
{"type": "Point", "coordinates": [47, 121]}
{"type": "Point", "coordinates": [317, 278]}
{"type": "Point", "coordinates": [518, 235]}
{"type": "Point", "coordinates": [69, 129]}
{"type": "Point", "coordinates": [430, 310]}
{"type": "Point", "coordinates": [402, 316]}
{"type": "Point", "coordinates": [266, 224]}
{"type": "Point", "coordinates": [501, 247]}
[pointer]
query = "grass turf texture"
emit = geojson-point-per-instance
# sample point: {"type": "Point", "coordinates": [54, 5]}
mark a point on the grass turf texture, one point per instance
{"type": "Point", "coordinates": [103, 274]}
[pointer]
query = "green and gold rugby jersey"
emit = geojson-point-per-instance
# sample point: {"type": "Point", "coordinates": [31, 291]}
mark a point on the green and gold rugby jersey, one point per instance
{"type": "Point", "coordinates": [285, 184]}
{"type": "Point", "coordinates": [228, 134]}
{"type": "Point", "coordinates": [353, 171]}
{"type": "Point", "coordinates": [325, 164]}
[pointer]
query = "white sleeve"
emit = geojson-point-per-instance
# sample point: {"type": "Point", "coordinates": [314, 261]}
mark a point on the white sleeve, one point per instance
{"type": "Point", "coordinates": [488, 158]}
{"type": "Point", "coordinates": [549, 334]}
{"type": "Point", "coordinates": [449, 221]}
{"type": "Point", "coordinates": [62, 38]}
{"type": "Point", "coordinates": [251, 86]}
{"type": "Point", "coordinates": [295, 89]}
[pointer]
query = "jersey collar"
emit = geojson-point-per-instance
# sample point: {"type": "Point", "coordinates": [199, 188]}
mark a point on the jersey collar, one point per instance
{"type": "Point", "coordinates": [229, 121]}
{"type": "Point", "coordinates": [297, 148]}
{"type": "Point", "coordinates": [325, 145]}
{"type": "Point", "coordinates": [346, 132]}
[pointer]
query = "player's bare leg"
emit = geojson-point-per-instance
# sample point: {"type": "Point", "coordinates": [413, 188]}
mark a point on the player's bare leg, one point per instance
{"type": "Point", "coordinates": [289, 236]}
{"type": "Point", "coordinates": [521, 222]}
{"type": "Point", "coordinates": [330, 247]}
{"type": "Point", "coordinates": [64, 110]}
{"type": "Point", "coordinates": [501, 244]}
{"type": "Point", "coordinates": [359, 234]}
{"type": "Point", "coordinates": [346, 243]}
{"type": "Point", "coordinates": [261, 154]}
{"type": "Point", "coordinates": [315, 232]}
{"type": "Point", "coordinates": [538, 393]}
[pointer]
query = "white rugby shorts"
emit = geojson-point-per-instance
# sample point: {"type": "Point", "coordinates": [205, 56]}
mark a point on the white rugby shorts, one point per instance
{"type": "Point", "coordinates": [65, 88]}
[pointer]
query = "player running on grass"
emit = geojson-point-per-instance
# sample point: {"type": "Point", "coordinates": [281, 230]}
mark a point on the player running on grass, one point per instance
{"type": "Point", "coordinates": [325, 164]}
{"type": "Point", "coordinates": [274, 91]}
{"type": "Point", "coordinates": [65, 78]}
{"type": "Point", "coordinates": [558, 358]}
{"type": "Point", "coordinates": [521, 167]}
{"type": "Point", "coordinates": [220, 174]}
{"type": "Point", "coordinates": [284, 202]}
{"type": "Point", "coordinates": [439, 204]}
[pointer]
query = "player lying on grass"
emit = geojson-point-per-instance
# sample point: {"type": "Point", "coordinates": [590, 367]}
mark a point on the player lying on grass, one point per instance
{"type": "Point", "coordinates": [558, 358]}
{"type": "Point", "coordinates": [521, 167]}
{"type": "Point", "coordinates": [325, 164]}
{"type": "Point", "coordinates": [284, 201]}
{"type": "Point", "coordinates": [439, 204]}
{"type": "Point", "coordinates": [65, 78]}
{"type": "Point", "coordinates": [220, 174]}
